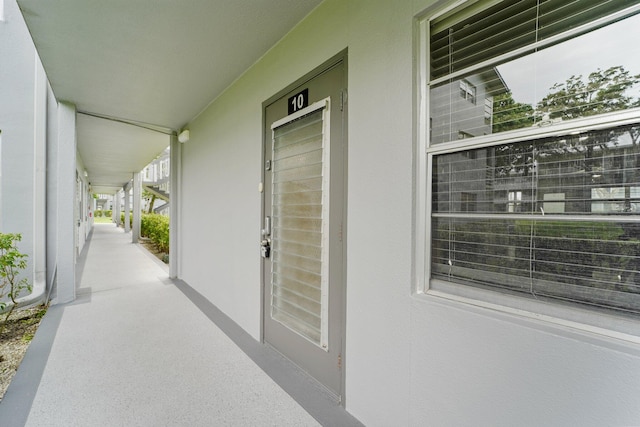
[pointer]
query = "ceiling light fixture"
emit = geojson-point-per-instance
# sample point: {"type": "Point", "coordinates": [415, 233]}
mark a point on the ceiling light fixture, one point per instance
{"type": "Point", "coordinates": [184, 136]}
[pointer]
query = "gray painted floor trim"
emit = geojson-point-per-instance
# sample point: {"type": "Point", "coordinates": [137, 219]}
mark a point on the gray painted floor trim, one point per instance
{"type": "Point", "coordinates": [309, 394]}
{"type": "Point", "coordinates": [17, 401]}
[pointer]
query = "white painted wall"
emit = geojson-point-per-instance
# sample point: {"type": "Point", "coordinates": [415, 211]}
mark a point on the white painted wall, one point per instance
{"type": "Point", "coordinates": [411, 359]}
{"type": "Point", "coordinates": [22, 106]}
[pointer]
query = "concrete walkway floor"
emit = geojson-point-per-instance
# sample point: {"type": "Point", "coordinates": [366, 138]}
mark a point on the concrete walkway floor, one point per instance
{"type": "Point", "coordinates": [138, 349]}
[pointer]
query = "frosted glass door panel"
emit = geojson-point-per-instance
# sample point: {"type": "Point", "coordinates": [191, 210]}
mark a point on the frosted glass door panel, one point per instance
{"type": "Point", "coordinates": [299, 204]}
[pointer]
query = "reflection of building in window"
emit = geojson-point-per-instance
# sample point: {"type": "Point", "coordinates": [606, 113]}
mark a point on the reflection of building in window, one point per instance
{"type": "Point", "coordinates": [553, 203]}
{"type": "Point", "coordinates": [468, 91]}
{"type": "Point", "coordinates": [468, 202]}
{"type": "Point", "coordinates": [615, 199]}
{"type": "Point", "coordinates": [455, 114]}
{"type": "Point", "coordinates": [515, 201]}
{"type": "Point", "coordinates": [488, 111]}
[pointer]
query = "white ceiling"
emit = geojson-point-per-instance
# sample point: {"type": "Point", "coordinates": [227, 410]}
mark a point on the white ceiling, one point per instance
{"type": "Point", "coordinates": [153, 62]}
{"type": "Point", "coordinates": [113, 151]}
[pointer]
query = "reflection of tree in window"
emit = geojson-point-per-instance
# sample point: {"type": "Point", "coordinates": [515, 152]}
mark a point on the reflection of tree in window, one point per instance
{"type": "Point", "coordinates": [601, 92]}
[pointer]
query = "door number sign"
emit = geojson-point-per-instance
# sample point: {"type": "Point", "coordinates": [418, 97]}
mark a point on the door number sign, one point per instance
{"type": "Point", "coordinates": [298, 101]}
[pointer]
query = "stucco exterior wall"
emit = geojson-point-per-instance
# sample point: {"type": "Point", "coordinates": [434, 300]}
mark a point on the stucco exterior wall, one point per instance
{"type": "Point", "coordinates": [37, 154]}
{"type": "Point", "coordinates": [410, 359]}
{"type": "Point", "coordinates": [18, 125]}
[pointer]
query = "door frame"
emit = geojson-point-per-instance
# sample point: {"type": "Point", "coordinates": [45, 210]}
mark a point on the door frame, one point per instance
{"type": "Point", "coordinates": [335, 60]}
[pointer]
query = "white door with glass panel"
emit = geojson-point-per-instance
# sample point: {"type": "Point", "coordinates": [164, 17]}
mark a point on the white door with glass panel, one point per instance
{"type": "Point", "coordinates": [301, 247]}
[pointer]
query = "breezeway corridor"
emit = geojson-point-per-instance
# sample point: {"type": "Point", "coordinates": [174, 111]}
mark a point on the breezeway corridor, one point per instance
{"type": "Point", "coordinates": [138, 349]}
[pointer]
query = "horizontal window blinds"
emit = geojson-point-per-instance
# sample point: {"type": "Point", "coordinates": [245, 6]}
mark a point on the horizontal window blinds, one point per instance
{"type": "Point", "coordinates": [298, 241]}
{"type": "Point", "coordinates": [554, 217]}
{"type": "Point", "coordinates": [459, 41]}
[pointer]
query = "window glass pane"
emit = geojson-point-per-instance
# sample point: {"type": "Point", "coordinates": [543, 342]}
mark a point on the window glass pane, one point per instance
{"type": "Point", "coordinates": [597, 72]}
{"type": "Point", "coordinates": [595, 172]}
{"type": "Point", "coordinates": [556, 251]}
{"type": "Point", "coordinates": [483, 30]}
{"type": "Point", "coordinates": [594, 262]}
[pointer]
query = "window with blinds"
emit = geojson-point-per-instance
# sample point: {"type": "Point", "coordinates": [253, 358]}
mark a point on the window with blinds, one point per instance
{"type": "Point", "coordinates": [554, 217]}
{"type": "Point", "coordinates": [546, 204]}
{"type": "Point", "coordinates": [299, 239]}
{"type": "Point", "coordinates": [532, 63]}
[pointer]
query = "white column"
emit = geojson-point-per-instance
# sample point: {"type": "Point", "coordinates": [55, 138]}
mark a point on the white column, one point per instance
{"type": "Point", "coordinates": [66, 279]}
{"type": "Point", "coordinates": [137, 194]}
{"type": "Point", "coordinates": [175, 179]}
{"type": "Point", "coordinates": [40, 182]}
{"type": "Point", "coordinates": [127, 208]}
{"type": "Point", "coordinates": [116, 207]}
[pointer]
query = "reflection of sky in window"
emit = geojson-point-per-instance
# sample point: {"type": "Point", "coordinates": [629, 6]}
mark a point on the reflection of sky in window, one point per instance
{"type": "Point", "coordinates": [616, 44]}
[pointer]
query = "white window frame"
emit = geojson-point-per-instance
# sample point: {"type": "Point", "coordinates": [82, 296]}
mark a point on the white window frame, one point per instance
{"type": "Point", "coordinates": [566, 317]}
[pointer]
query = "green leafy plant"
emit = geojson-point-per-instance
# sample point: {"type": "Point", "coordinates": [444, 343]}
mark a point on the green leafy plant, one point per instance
{"type": "Point", "coordinates": [156, 228]}
{"type": "Point", "coordinates": [130, 219]}
{"type": "Point", "coordinates": [12, 262]}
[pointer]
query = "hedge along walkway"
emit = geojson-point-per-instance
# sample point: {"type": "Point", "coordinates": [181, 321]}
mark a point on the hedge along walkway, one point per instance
{"type": "Point", "coordinates": [134, 350]}
{"type": "Point", "coordinates": [156, 228]}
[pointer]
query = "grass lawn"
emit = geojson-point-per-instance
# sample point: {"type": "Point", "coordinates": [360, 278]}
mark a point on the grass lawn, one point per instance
{"type": "Point", "coordinates": [102, 220]}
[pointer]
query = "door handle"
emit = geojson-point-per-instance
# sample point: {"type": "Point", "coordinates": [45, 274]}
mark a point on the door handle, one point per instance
{"type": "Point", "coordinates": [265, 248]}
{"type": "Point", "coordinates": [265, 243]}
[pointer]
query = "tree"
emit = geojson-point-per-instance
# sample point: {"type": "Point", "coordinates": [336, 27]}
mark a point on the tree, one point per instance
{"type": "Point", "coordinates": [602, 92]}
{"type": "Point", "coordinates": [151, 198]}
{"type": "Point", "coordinates": [509, 114]}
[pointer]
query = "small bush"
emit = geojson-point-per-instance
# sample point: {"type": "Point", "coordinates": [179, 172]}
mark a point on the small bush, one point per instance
{"type": "Point", "coordinates": [130, 218]}
{"type": "Point", "coordinates": [107, 213]}
{"type": "Point", "coordinates": [12, 263]}
{"type": "Point", "coordinates": [98, 213]}
{"type": "Point", "coordinates": [156, 228]}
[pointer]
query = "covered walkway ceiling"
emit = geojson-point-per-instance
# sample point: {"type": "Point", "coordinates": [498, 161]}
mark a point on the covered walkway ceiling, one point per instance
{"type": "Point", "coordinates": [155, 63]}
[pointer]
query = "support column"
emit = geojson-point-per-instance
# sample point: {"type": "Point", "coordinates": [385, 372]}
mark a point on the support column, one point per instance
{"type": "Point", "coordinates": [116, 207]}
{"type": "Point", "coordinates": [40, 183]}
{"type": "Point", "coordinates": [66, 156]}
{"type": "Point", "coordinates": [127, 208]}
{"type": "Point", "coordinates": [175, 180]}
{"type": "Point", "coordinates": [137, 194]}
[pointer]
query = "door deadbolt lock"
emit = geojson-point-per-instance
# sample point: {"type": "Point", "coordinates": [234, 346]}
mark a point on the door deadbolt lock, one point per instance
{"type": "Point", "coordinates": [265, 248]}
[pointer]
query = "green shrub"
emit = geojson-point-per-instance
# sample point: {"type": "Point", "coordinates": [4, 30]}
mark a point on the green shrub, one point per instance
{"type": "Point", "coordinates": [107, 213]}
{"type": "Point", "coordinates": [156, 228]}
{"type": "Point", "coordinates": [130, 218]}
{"type": "Point", "coordinates": [98, 213]}
{"type": "Point", "coordinates": [12, 263]}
